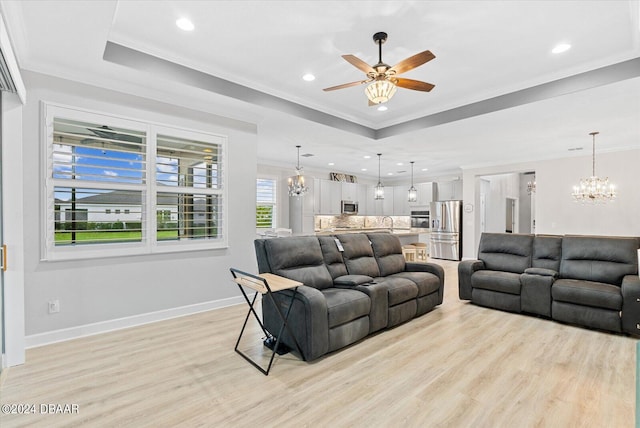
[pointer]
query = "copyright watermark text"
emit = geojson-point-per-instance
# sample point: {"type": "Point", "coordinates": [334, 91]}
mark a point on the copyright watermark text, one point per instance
{"type": "Point", "coordinates": [40, 409]}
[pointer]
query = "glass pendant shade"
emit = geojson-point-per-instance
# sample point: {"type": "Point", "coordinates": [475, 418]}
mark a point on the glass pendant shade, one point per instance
{"type": "Point", "coordinates": [296, 183]}
{"type": "Point", "coordinates": [379, 189]}
{"type": "Point", "coordinates": [380, 91]}
{"type": "Point", "coordinates": [413, 193]}
{"type": "Point", "coordinates": [594, 189]}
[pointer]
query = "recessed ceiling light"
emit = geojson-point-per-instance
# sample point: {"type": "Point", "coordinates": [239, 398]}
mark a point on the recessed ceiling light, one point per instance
{"type": "Point", "coordinates": [367, 157]}
{"type": "Point", "coordinates": [562, 47]}
{"type": "Point", "coordinates": [331, 164]}
{"type": "Point", "coordinates": [399, 164]}
{"type": "Point", "coordinates": [389, 173]}
{"type": "Point", "coordinates": [425, 169]}
{"type": "Point", "coordinates": [185, 24]}
{"type": "Point", "coordinates": [363, 169]}
{"type": "Point", "coordinates": [309, 77]}
{"type": "Point", "coordinates": [382, 108]}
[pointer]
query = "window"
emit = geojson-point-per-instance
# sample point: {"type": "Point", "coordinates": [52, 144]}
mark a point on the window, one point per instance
{"type": "Point", "coordinates": [106, 175]}
{"type": "Point", "coordinates": [266, 203]}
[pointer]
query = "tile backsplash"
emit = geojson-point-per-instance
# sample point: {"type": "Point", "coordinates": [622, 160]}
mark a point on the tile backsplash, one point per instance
{"type": "Point", "coordinates": [325, 222]}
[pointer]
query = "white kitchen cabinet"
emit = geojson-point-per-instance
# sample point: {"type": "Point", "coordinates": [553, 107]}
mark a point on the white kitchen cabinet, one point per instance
{"type": "Point", "coordinates": [316, 196]}
{"type": "Point", "coordinates": [350, 192]}
{"type": "Point", "coordinates": [330, 197]}
{"type": "Point", "coordinates": [363, 199]}
{"type": "Point", "coordinates": [450, 190]}
{"type": "Point", "coordinates": [426, 194]}
{"type": "Point", "coordinates": [400, 200]}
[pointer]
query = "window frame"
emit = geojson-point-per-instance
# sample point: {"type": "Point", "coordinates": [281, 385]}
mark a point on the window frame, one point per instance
{"type": "Point", "coordinates": [274, 204]}
{"type": "Point", "coordinates": [149, 243]}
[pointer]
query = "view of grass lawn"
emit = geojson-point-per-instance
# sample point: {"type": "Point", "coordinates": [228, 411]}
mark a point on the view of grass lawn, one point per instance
{"type": "Point", "coordinates": [97, 236]}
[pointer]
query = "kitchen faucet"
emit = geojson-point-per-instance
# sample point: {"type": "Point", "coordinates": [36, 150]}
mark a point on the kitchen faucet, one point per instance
{"type": "Point", "coordinates": [390, 218]}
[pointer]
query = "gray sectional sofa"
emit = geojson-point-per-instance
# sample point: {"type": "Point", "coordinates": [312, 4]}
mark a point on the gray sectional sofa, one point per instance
{"type": "Point", "coordinates": [354, 285]}
{"type": "Point", "coordinates": [590, 281]}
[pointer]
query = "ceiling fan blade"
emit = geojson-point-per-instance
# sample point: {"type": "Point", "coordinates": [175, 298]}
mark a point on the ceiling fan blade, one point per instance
{"type": "Point", "coordinates": [413, 62]}
{"type": "Point", "coordinates": [416, 85]}
{"type": "Point", "coordinates": [347, 85]}
{"type": "Point", "coordinates": [358, 63]}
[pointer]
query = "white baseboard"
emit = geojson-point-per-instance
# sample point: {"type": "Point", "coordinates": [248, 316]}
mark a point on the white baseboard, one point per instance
{"type": "Point", "coordinates": [61, 335]}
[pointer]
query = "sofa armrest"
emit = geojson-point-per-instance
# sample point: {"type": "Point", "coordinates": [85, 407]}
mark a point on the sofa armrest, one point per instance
{"type": "Point", "coordinates": [307, 319]}
{"type": "Point", "coordinates": [433, 268]}
{"type": "Point", "coordinates": [379, 313]}
{"type": "Point", "coordinates": [541, 271]}
{"type": "Point", "coordinates": [631, 304]}
{"type": "Point", "coordinates": [466, 268]}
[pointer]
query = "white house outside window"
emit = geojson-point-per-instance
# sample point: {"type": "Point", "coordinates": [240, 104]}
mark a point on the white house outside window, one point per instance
{"type": "Point", "coordinates": [106, 176]}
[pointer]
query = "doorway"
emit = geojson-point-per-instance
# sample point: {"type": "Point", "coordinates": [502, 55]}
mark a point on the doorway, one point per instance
{"type": "Point", "coordinates": [511, 215]}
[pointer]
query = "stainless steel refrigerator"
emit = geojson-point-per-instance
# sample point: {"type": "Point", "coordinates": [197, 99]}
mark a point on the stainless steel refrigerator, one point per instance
{"type": "Point", "coordinates": [446, 230]}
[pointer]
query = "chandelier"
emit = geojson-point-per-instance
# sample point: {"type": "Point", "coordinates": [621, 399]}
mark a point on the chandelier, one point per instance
{"type": "Point", "coordinates": [296, 182]}
{"type": "Point", "coordinates": [380, 91]}
{"type": "Point", "coordinates": [531, 187]}
{"type": "Point", "coordinates": [413, 193]}
{"type": "Point", "coordinates": [379, 189]}
{"type": "Point", "coordinates": [594, 189]}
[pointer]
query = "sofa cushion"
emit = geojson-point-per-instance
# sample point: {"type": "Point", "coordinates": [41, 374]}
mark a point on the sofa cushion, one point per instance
{"type": "Point", "coordinates": [388, 252]}
{"type": "Point", "coordinates": [547, 252]}
{"type": "Point", "coordinates": [399, 289]}
{"type": "Point", "coordinates": [599, 259]}
{"type": "Point", "coordinates": [504, 282]}
{"type": "Point", "coordinates": [505, 251]}
{"type": "Point", "coordinates": [587, 293]}
{"type": "Point", "coordinates": [358, 255]}
{"type": "Point", "coordinates": [332, 256]}
{"type": "Point", "coordinates": [427, 282]}
{"type": "Point", "coordinates": [298, 258]}
{"type": "Point", "coordinates": [344, 305]}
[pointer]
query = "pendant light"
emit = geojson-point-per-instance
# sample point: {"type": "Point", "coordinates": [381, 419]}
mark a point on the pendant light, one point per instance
{"type": "Point", "coordinates": [296, 182]}
{"type": "Point", "coordinates": [379, 190]}
{"type": "Point", "coordinates": [594, 189]}
{"type": "Point", "coordinates": [413, 193]}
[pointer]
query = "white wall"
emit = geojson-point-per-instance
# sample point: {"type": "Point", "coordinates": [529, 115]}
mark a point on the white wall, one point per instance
{"type": "Point", "coordinates": [555, 211]}
{"type": "Point", "coordinates": [139, 288]}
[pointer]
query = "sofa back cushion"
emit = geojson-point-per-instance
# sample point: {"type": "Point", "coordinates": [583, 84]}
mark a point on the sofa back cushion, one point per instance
{"type": "Point", "coordinates": [387, 250]}
{"type": "Point", "coordinates": [506, 252]}
{"type": "Point", "coordinates": [599, 258]}
{"type": "Point", "coordinates": [298, 258]}
{"type": "Point", "coordinates": [358, 255]}
{"type": "Point", "coordinates": [332, 256]}
{"type": "Point", "coordinates": [547, 252]}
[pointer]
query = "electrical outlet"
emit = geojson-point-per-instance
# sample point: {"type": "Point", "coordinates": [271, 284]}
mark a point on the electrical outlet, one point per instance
{"type": "Point", "coordinates": [54, 306]}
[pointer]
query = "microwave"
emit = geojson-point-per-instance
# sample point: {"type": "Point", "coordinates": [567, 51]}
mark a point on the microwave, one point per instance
{"type": "Point", "coordinates": [349, 208]}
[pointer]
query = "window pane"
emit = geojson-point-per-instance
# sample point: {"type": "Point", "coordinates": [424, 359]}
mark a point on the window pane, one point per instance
{"type": "Point", "coordinates": [82, 216]}
{"type": "Point", "coordinates": [265, 202]}
{"type": "Point", "coordinates": [188, 163]}
{"type": "Point", "coordinates": [188, 216]}
{"type": "Point", "coordinates": [93, 152]}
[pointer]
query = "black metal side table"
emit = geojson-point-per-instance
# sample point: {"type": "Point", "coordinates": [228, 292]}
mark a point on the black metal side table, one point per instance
{"type": "Point", "coordinates": [265, 284]}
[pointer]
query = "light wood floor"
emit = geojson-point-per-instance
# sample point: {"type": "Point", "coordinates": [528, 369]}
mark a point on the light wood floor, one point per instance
{"type": "Point", "coordinates": [458, 366]}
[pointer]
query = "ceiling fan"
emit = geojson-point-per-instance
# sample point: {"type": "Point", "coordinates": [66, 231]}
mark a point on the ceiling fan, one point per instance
{"type": "Point", "coordinates": [384, 78]}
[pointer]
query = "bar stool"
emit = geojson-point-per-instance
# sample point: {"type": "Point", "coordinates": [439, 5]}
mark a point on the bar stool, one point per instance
{"type": "Point", "coordinates": [409, 253]}
{"type": "Point", "coordinates": [421, 251]}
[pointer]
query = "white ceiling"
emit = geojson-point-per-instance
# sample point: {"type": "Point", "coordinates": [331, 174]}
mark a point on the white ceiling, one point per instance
{"type": "Point", "coordinates": [483, 49]}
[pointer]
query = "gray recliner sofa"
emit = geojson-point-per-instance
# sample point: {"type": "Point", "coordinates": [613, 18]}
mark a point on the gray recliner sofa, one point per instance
{"type": "Point", "coordinates": [354, 285]}
{"type": "Point", "coordinates": [590, 281]}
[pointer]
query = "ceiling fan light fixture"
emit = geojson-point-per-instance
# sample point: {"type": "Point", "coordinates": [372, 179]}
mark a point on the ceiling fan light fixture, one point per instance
{"type": "Point", "coordinates": [380, 91]}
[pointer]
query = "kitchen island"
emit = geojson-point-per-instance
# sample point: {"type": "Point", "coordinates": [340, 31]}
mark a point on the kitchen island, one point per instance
{"type": "Point", "coordinates": [406, 235]}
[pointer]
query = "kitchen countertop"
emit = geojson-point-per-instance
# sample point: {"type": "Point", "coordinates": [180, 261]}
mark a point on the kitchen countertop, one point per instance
{"type": "Point", "coordinates": [398, 231]}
